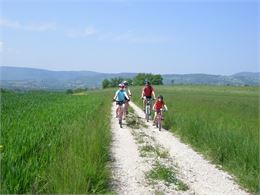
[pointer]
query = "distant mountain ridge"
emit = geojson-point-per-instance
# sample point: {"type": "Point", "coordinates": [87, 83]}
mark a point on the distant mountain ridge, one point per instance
{"type": "Point", "coordinates": [30, 78]}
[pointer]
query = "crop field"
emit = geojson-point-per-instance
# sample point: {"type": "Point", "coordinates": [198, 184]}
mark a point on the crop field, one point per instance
{"type": "Point", "coordinates": [220, 122]}
{"type": "Point", "coordinates": [54, 142]}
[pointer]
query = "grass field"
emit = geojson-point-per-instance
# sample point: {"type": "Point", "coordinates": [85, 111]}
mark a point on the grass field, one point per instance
{"type": "Point", "coordinates": [54, 143]}
{"type": "Point", "coordinates": [220, 122]}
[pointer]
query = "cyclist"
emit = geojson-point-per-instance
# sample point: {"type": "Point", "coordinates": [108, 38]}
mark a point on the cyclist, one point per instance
{"type": "Point", "coordinates": [128, 92]}
{"type": "Point", "coordinates": [147, 93]}
{"type": "Point", "coordinates": [158, 105]}
{"type": "Point", "coordinates": [120, 97]}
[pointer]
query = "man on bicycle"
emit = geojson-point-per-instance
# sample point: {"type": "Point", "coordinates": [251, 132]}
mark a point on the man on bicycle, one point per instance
{"type": "Point", "coordinates": [158, 106]}
{"type": "Point", "coordinates": [120, 97]}
{"type": "Point", "coordinates": [147, 93]}
{"type": "Point", "coordinates": [128, 92]}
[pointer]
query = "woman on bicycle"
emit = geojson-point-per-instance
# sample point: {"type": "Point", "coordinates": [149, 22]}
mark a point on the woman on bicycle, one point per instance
{"type": "Point", "coordinates": [158, 106]}
{"type": "Point", "coordinates": [147, 93]}
{"type": "Point", "coordinates": [128, 92]}
{"type": "Point", "coordinates": [120, 97]}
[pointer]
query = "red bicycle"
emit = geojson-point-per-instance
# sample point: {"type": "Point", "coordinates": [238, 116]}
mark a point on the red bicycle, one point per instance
{"type": "Point", "coordinates": [158, 119]}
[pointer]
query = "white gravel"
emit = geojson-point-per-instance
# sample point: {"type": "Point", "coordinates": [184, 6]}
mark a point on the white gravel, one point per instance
{"type": "Point", "coordinates": [129, 168]}
{"type": "Point", "coordinates": [201, 176]}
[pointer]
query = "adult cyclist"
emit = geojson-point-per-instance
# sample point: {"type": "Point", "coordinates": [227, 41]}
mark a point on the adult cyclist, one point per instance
{"type": "Point", "coordinates": [120, 97]}
{"type": "Point", "coordinates": [128, 92]}
{"type": "Point", "coordinates": [147, 93]}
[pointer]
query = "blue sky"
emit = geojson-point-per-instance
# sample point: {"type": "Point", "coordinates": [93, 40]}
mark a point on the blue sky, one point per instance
{"type": "Point", "coordinates": [215, 37]}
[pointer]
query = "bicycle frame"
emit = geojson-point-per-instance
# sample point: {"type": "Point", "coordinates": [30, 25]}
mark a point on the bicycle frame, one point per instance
{"type": "Point", "coordinates": [148, 105]}
{"type": "Point", "coordinates": [158, 119]}
{"type": "Point", "coordinates": [120, 114]}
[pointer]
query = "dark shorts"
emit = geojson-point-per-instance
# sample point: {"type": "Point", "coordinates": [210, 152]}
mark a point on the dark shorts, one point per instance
{"type": "Point", "coordinates": [158, 111]}
{"type": "Point", "coordinates": [120, 103]}
{"type": "Point", "coordinates": [148, 97]}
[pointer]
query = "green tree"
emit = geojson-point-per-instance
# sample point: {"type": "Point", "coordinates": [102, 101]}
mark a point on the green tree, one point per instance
{"type": "Point", "coordinates": [154, 79]}
{"type": "Point", "coordinates": [69, 91]}
{"type": "Point", "coordinates": [106, 83]}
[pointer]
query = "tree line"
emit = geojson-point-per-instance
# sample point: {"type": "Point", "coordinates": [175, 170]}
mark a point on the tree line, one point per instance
{"type": "Point", "coordinates": [138, 80]}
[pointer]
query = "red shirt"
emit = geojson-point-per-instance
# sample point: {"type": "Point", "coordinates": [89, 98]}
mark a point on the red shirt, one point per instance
{"type": "Point", "coordinates": [158, 104]}
{"type": "Point", "coordinates": [147, 90]}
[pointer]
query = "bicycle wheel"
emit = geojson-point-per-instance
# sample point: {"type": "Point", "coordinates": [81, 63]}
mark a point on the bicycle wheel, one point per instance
{"type": "Point", "coordinates": [120, 117]}
{"type": "Point", "coordinates": [147, 113]}
{"type": "Point", "coordinates": [159, 126]}
{"type": "Point", "coordinates": [120, 123]}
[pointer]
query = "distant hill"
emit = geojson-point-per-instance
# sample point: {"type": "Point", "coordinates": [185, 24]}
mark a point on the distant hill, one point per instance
{"type": "Point", "coordinates": [30, 78]}
{"type": "Point", "coordinates": [239, 79]}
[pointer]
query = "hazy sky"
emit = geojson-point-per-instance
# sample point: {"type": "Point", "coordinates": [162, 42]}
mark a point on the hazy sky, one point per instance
{"type": "Point", "coordinates": [167, 36]}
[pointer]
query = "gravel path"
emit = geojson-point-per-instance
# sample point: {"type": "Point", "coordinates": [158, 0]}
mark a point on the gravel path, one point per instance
{"type": "Point", "coordinates": [129, 166]}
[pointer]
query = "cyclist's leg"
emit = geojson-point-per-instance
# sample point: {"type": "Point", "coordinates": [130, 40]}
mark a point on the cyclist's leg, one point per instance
{"type": "Point", "coordinates": [151, 106]}
{"type": "Point", "coordinates": [120, 113]}
{"type": "Point", "coordinates": [126, 107]}
{"type": "Point", "coordinates": [123, 110]}
{"type": "Point", "coordinates": [117, 110]}
{"type": "Point", "coordinates": [162, 115]}
{"type": "Point", "coordinates": [144, 104]}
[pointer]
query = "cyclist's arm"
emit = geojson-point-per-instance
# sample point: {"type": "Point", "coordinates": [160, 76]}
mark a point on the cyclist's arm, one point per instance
{"type": "Point", "coordinates": [153, 94]}
{"type": "Point", "coordinates": [142, 94]}
{"type": "Point", "coordinates": [154, 106]}
{"type": "Point", "coordinates": [126, 96]}
{"type": "Point", "coordinates": [115, 95]}
{"type": "Point", "coordinates": [165, 107]}
{"type": "Point", "coordinates": [129, 92]}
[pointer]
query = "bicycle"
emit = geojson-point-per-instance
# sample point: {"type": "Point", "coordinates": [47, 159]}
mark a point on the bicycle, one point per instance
{"type": "Point", "coordinates": [120, 113]}
{"type": "Point", "coordinates": [158, 119]}
{"type": "Point", "coordinates": [148, 106]}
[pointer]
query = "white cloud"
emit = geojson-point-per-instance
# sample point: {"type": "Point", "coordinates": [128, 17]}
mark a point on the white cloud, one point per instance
{"type": "Point", "coordinates": [132, 37]}
{"type": "Point", "coordinates": [88, 31]}
{"type": "Point", "coordinates": [40, 27]}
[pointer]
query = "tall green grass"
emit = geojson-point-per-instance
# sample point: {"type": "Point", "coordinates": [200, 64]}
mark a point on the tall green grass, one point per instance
{"type": "Point", "coordinates": [54, 143]}
{"type": "Point", "coordinates": [220, 122]}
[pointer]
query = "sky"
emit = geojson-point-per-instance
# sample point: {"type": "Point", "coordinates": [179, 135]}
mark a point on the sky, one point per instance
{"type": "Point", "coordinates": [111, 36]}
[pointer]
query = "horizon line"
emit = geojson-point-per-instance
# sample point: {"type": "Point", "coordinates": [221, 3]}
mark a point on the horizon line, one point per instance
{"type": "Point", "coordinates": [80, 70]}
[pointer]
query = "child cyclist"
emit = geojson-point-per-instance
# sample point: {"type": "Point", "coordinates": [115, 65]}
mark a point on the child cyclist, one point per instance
{"type": "Point", "coordinates": [120, 97]}
{"type": "Point", "coordinates": [158, 105]}
{"type": "Point", "coordinates": [128, 92]}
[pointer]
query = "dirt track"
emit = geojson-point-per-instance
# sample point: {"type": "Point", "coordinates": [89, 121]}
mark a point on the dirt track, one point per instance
{"type": "Point", "coordinates": [130, 166]}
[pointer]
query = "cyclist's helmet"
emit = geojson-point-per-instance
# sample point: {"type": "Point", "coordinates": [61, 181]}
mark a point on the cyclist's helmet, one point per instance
{"type": "Point", "coordinates": [160, 97]}
{"type": "Point", "coordinates": [125, 83]}
{"type": "Point", "coordinates": [147, 82]}
{"type": "Point", "coordinates": [121, 86]}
